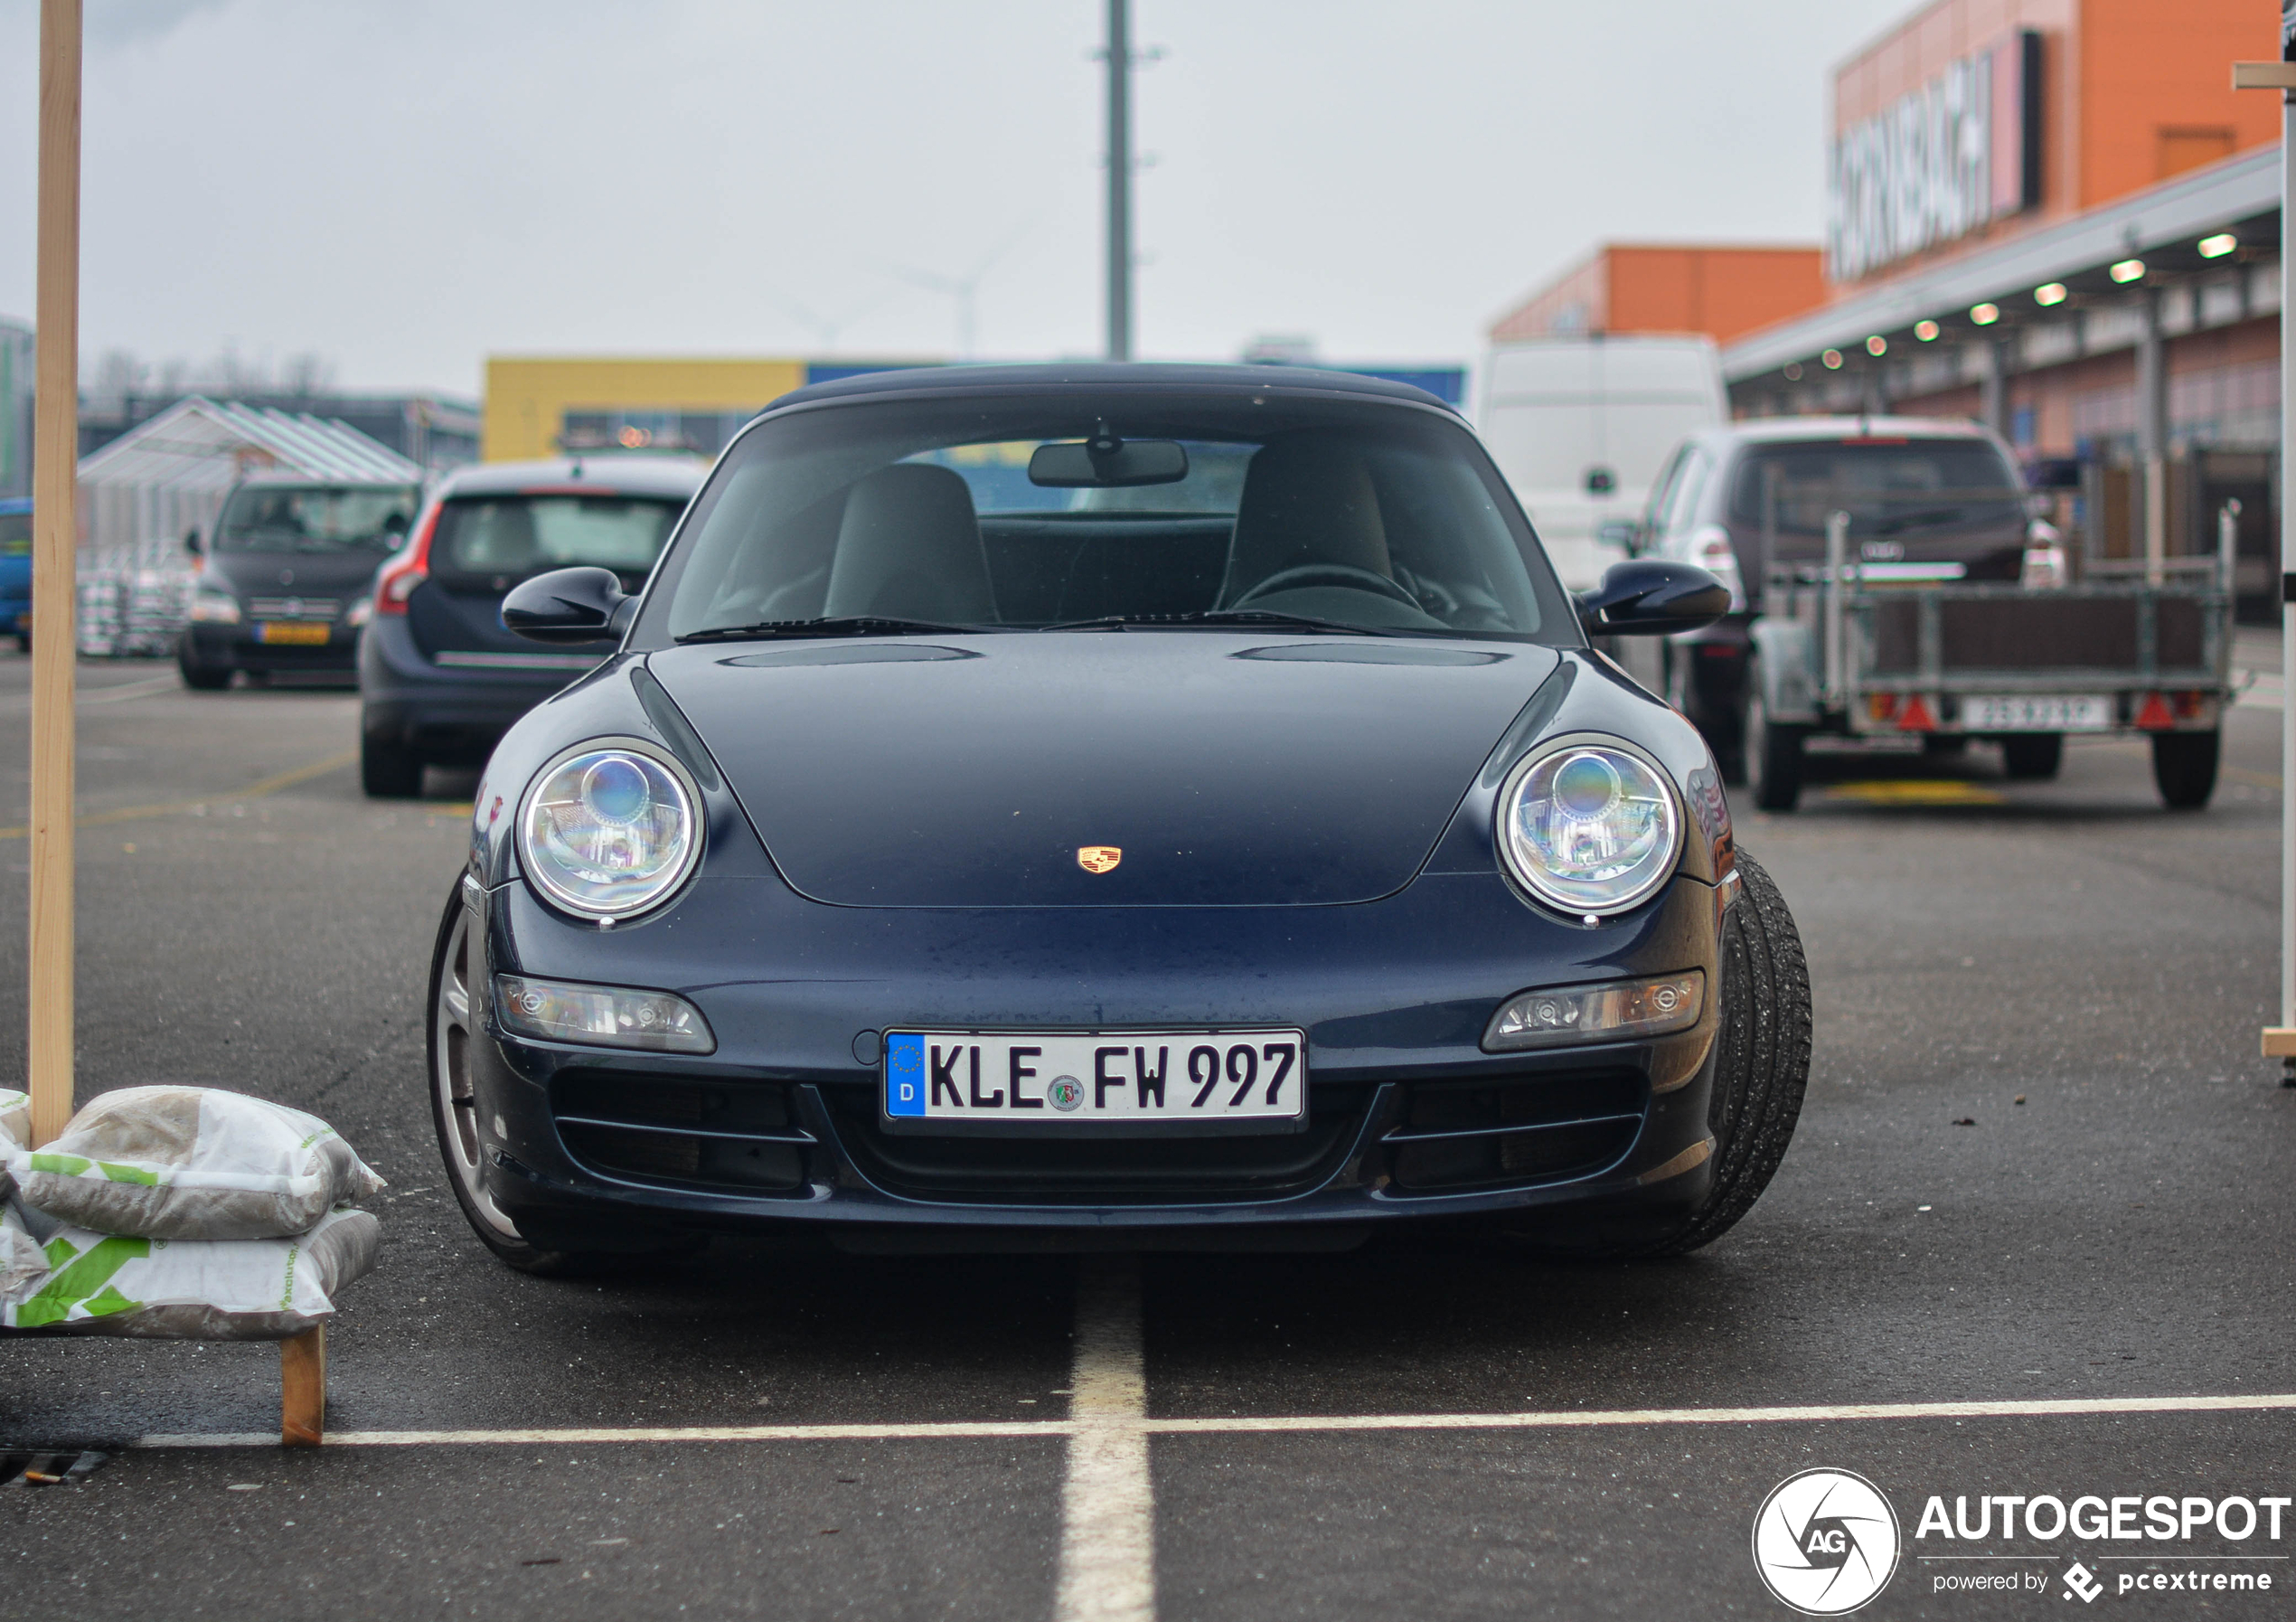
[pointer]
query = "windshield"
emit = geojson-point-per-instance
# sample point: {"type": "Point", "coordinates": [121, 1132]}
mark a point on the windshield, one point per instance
{"type": "Point", "coordinates": [1027, 512]}
{"type": "Point", "coordinates": [1887, 487]}
{"type": "Point", "coordinates": [501, 539]}
{"type": "Point", "coordinates": [317, 518]}
{"type": "Point", "coordinates": [15, 534]}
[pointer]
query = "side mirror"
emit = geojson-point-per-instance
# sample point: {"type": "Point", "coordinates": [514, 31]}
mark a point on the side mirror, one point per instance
{"type": "Point", "coordinates": [567, 605]}
{"type": "Point", "coordinates": [191, 543]}
{"type": "Point", "coordinates": [1649, 597]}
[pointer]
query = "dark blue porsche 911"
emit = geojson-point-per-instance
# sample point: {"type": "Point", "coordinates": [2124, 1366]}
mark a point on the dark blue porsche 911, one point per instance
{"type": "Point", "coordinates": [1142, 805]}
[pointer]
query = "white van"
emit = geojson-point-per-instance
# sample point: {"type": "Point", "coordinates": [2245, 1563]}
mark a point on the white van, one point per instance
{"type": "Point", "coordinates": [1581, 427]}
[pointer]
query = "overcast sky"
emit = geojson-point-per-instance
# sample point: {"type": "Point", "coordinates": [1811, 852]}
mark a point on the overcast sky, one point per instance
{"type": "Point", "coordinates": [406, 186]}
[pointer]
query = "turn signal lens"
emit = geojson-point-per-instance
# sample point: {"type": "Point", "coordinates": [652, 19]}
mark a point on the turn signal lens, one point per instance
{"type": "Point", "coordinates": [1589, 827]}
{"type": "Point", "coordinates": [601, 1015]}
{"type": "Point", "coordinates": [1618, 1013]}
{"type": "Point", "coordinates": [609, 829]}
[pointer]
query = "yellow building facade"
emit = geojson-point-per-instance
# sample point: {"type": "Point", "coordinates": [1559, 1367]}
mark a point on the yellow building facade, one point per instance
{"type": "Point", "coordinates": [544, 405]}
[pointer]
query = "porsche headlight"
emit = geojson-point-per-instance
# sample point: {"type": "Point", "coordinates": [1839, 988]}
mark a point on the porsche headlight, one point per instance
{"type": "Point", "coordinates": [609, 828]}
{"type": "Point", "coordinates": [1589, 825]}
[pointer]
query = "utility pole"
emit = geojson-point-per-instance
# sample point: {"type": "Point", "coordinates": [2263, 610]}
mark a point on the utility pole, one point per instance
{"type": "Point", "coordinates": [54, 545]}
{"type": "Point", "coordinates": [2280, 1041]}
{"type": "Point", "coordinates": [1119, 55]}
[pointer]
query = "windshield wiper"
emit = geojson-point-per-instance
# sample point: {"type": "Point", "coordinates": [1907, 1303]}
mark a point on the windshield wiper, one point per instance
{"type": "Point", "coordinates": [839, 625]}
{"type": "Point", "coordinates": [1220, 617]}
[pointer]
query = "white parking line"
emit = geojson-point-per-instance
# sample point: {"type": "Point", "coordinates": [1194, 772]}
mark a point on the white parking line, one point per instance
{"type": "Point", "coordinates": [1108, 1503]}
{"type": "Point", "coordinates": [1113, 1422]}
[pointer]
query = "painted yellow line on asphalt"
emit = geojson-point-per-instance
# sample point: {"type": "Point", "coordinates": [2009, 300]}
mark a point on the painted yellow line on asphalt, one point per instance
{"type": "Point", "coordinates": [1915, 791]}
{"type": "Point", "coordinates": [253, 791]}
{"type": "Point", "coordinates": [1548, 1419]}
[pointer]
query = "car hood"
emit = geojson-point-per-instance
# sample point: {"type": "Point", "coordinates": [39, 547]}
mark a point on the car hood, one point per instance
{"type": "Point", "coordinates": [1230, 770]}
{"type": "Point", "coordinates": [340, 573]}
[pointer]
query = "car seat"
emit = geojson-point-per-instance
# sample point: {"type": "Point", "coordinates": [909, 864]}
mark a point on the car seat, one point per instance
{"type": "Point", "coordinates": [1306, 500]}
{"type": "Point", "coordinates": [910, 548]}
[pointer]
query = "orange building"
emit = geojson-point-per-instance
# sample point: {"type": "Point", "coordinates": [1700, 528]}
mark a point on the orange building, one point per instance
{"type": "Point", "coordinates": [1722, 290]}
{"type": "Point", "coordinates": [2058, 216]}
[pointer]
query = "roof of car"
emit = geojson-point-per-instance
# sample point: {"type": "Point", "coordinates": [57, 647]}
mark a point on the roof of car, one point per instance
{"type": "Point", "coordinates": [1145, 377]}
{"type": "Point", "coordinates": [1788, 429]}
{"type": "Point", "coordinates": [614, 475]}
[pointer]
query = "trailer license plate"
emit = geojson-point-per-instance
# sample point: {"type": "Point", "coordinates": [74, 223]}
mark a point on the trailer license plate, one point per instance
{"type": "Point", "coordinates": [2039, 713]}
{"type": "Point", "coordinates": [1073, 1082]}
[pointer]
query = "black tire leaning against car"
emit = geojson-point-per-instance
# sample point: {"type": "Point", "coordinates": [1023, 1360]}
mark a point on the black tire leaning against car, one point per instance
{"type": "Point", "coordinates": [388, 771]}
{"type": "Point", "coordinates": [1761, 1070]}
{"type": "Point", "coordinates": [2184, 768]}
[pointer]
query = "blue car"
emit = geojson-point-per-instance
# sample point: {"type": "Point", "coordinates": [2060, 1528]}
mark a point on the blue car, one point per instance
{"type": "Point", "coordinates": [1156, 805]}
{"type": "Point", "coordinates": [15, 569]}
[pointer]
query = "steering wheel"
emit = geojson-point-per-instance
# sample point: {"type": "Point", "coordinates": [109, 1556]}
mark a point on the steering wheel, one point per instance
{"type": "Point", "coordinates": [1303, 575]}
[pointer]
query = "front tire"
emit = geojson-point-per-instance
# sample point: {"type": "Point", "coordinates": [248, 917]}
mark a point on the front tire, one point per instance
{"type": "Point", "coordinates": [201, 678]}
{"type": "Point", "coordinates": [2184, 768]}
{"type": "Point", "coordinates": [456, 963]}
{"type": "Point", "coordinates": [388, 771]}
{"type": "Point", "coordinates": [1761, 1071]}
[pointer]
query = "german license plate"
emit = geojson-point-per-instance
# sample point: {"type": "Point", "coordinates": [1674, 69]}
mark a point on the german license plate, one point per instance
{"type": "Point", "coordinates": [291, 631]}
{"type": "Point", "coordinates": [2052, 712]}
{"type": "Point", "coordinates": [1116, 1083]}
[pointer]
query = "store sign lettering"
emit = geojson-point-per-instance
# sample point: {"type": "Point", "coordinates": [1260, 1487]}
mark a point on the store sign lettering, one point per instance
{"type": "Point", "coordinates": [1949, 159]}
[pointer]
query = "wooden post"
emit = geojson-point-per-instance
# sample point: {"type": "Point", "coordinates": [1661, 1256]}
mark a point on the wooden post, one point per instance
{"type": "Point", "coordinates": [54, 548]}
{"type": "Point", "coordinates": [302, 1388]}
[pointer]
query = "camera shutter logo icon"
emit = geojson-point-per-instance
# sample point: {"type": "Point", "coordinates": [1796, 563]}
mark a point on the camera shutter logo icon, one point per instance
{"type": "Point", "coordinates": [1825, 1541]}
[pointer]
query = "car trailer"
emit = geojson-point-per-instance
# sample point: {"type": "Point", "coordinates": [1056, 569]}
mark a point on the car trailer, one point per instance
{"type": "Point", "coordinates": [1867, 650]}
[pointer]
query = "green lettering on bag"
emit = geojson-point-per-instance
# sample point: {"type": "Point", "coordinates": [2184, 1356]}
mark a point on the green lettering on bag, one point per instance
{"type": "Point", "coordinates": [86, 1279]}
{"type": "Point", "coordinates": [62, 1165]}
{"type": "Point", "coordinates": [129, 1173]}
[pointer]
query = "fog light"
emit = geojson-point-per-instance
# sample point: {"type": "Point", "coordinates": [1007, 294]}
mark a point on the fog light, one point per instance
{"type": "Point", "coordinates": [1613, 1013]}
{"type": "Point", "coordinates": [601, 1015]}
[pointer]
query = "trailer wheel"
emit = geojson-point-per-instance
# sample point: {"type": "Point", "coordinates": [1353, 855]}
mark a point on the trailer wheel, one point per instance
{"type": "Point", "coordinates": [2184, 768]}
{"type": "Point", "coordinates": [1773, 754]}
{"type": "Point", "coordinates": [2033, 755]}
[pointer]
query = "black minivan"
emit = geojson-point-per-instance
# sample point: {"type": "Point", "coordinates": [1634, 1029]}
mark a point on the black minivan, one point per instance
{"type": "Point", "coordinates": [279, 578]}
{"type": "Point", "coordinates": [440, 680]}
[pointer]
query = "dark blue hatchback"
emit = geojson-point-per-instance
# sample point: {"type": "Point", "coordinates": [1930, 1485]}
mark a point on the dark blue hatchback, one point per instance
{"type": "Point", "coordinates": [1154, 805]}
{"type": "Point", "coordinates": [439, 679]}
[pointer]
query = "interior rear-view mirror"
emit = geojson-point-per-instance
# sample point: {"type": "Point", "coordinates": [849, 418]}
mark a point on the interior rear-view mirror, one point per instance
{"type": "Point", "coordinates": [1648, 597]}
{"type": "Point", "coordinates": [190, 542]}
{"type": "Point", "coordinates": [1620, 533]}
{"type": "Point", "coordinates": [1105, 461]}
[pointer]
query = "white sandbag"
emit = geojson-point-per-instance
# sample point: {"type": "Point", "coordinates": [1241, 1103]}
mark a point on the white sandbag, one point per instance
{"type": "Point", "coordinates": [193, 1162]}
{"type": "Point", "coordinates": [15, 1133]}
{"type": "Point", "coordinates": [240, 1289]}
{"type": "Point", "coordinates": [22, 1259]}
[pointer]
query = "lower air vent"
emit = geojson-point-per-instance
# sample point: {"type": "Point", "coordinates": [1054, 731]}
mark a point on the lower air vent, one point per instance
{"type": "Point", "coordinates": [732, 1135]}
{"type": "Point", "coordinates": [1517, 1130]}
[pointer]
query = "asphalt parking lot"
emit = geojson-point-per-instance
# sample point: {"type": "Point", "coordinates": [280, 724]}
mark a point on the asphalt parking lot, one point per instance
{"type": "Point", "coordinates": [2040, 1164]}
